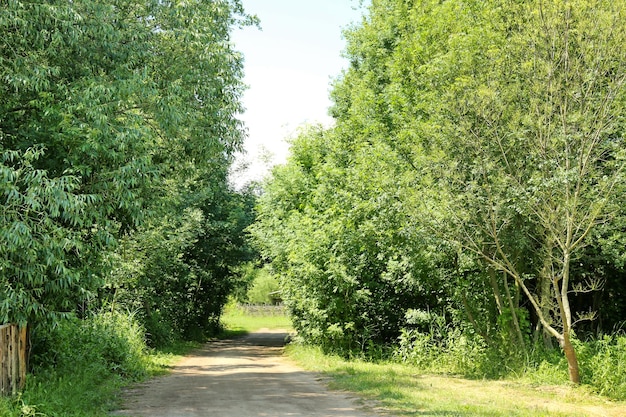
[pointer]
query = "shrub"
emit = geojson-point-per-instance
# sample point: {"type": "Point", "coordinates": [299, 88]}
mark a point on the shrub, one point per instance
{"type": "Point", "coordinates": [108, 342]}
{"type": "Point", "coordinates": [79, 366]}
{"type": "Point", "coordinates": [435, 343]}
{"type": "Point", "coordinates": [603, 365]}
{"type": "Point", "coordinates": [159, 332]}
{"type": "Point", "coordinates": [454, 352]}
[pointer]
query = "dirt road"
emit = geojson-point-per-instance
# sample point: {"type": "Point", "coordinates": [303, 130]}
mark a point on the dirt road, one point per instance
{"type": "Point", "coordinates": [244, 377]}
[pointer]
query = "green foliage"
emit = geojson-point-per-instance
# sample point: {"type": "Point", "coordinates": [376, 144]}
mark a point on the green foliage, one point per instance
{"type": "Point", "coordinates": [106, 343]}
{"type": "Point", "coordinates": [601, 361]}
{"type": "Point", "coordinates": [80, 366]}
{"type": "Point", "coordinates": [39, 273]}
{"type": "Point", "coordinates": [603, 365]}
{"type": "Point", "coordinates": [117, 127]}
{"type": "Point", "coordinates": [178, 272]}
{"type": "Point", "coordinates": [542, 161]}
{"type": "Point", "coordinates": [476, 167]}
{"type": "Point", "coordinates": [111, 112]}
{"type": "Point", "coordinates": [263, 288]}
{"type": "Point", "coordinates": [478, 147]}
{"type": "Point", "coordinates": [442, 343]}
{"type": "Point", "coordinates": [349, 260]}
{"type": "Point", "coordinates": [433, 345]}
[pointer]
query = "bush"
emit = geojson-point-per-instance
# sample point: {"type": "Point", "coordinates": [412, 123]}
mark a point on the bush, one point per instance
{"type": "Point", "coordinates": [454, 353]}
{"type": "Point", "coordinates": [431, 342]}
{"type": "Point", "coordinates": [79, 366]}
{"type": "Point", "coordinates": [159, 332]}
{"type": "Point", "coordinates": [108, 342]}
{"type": "Point", "coordinates": [603, 365]}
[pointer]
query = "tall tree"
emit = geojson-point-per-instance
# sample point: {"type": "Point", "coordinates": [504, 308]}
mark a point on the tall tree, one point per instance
{"type": "Point", "coordinates": [108, 106]}
{"type": "Point", "coordinates": [71, 78]}
{"type": "Point", "coordinates": [333, 223]}
{"type": "Point", "coordinates": [518, 109]}
{"type": "Point", "coordinates": [545, 125]}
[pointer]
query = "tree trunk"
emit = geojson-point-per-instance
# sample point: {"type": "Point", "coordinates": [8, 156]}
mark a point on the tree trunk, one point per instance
{"type": "Point", "coordinates": [566, 317]}
{"type": "Point", "coordinates": [516, 326]}
{"type": "Point", "coordinates": [496, 289]}
{"type": "Point", "coordinates": [572, 360]}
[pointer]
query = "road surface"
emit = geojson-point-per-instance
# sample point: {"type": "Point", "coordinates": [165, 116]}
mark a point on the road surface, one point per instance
{"type": "Point", "coordinates": [244, 377]}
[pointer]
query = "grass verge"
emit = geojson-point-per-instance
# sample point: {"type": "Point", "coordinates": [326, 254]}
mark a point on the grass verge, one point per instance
{"type": "Point", "coordinates": [89, 388]}
{"type": "Point", "coordinates": [403, 390]}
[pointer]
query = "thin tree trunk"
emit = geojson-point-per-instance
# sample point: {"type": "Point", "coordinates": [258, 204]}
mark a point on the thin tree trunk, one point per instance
{"type": "Point", "coordinates": [572, 359]}
{"type": "Point", "coordinates": [496, 289]}
{"type": "Point", "coordinates": [513, 308]}
{"type": "Point", "coordinates": [566, 317]}
{"type": "Point", "coordinates": [545, 295]}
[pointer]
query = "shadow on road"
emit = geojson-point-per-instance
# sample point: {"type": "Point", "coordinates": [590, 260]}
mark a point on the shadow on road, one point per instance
{"type": "Point", "coordinates": [244, 377]}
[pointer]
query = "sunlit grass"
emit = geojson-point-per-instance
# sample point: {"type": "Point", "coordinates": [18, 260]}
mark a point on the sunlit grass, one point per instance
{"type": "Point", "coordinates": [405, 391]}
{"type": "Point", "coordinates": [237, 320]}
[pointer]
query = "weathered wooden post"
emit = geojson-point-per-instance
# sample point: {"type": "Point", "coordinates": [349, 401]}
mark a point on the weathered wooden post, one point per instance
{"type": "Point", "coordinates": [13, 357]}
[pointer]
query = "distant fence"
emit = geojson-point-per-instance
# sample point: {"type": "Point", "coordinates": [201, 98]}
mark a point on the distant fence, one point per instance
{"type": "Point", "coordinates": [13, 346]}
{"type": "Point", "coordinates": [264, 310]}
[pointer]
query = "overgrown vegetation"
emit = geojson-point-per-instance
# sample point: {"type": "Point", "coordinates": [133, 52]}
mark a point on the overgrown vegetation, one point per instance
{"type": "Point", "coordinates": [465, 212]}
{"type": "Point", "coordinates": [80, 366]}
{"type": "Point", "coordinates": [264, 287]}
{"type": "Point", "coordinates": [118, 126]}
{"type": "Point", "coordinates": [464, 215]}
{"type": "Point", "coordinates": [117, 130]}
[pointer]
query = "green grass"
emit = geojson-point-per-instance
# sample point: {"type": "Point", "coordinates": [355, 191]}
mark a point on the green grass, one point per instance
{"type": "Point", "coordinates": [237, 321]}
{"type": "Point", "coordinates": [394, 388]}
{"type": "Point", "coordinates": [160, 361]}
{"type": "Point", "coordinates": [84, 392]}
{"type": "Point", "coordinates": [405, 391]}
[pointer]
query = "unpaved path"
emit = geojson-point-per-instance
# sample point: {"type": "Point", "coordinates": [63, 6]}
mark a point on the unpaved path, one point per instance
{"type": "Point", "coordinates": [243, 377]}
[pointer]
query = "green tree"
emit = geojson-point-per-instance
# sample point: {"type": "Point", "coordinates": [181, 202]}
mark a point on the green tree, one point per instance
{"type": "Point", "coordinates": [38, 272]}
{"type": "Point", "coordinates": [70, 77]}
{"type": "Point", "coordinates": [334, 226]}
{"type": "Point", "coordinates": [520, 106]}
{"type": "Point", "coordinates": [110, 110]}
{"type": "Point", "coordinates": [515, 111]}
{"type": "Point", "coordinates": [178, 270]}
{"type": "Point", "coordinates": [544, 124]}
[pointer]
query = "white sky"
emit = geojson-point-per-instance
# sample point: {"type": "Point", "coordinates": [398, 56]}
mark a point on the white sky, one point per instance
{"type": "Point", "coordinates": [289, 65]}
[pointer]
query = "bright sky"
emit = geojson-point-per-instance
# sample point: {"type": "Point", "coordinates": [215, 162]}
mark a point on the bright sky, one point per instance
{"type": "Point", "coordinates": [289, 65]}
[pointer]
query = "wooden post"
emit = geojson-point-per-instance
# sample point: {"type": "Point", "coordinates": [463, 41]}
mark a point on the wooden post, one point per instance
{"type": "Point", "coordinates": [13, 347]}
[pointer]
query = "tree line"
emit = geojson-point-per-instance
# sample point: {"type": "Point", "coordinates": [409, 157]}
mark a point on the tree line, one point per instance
{"type": "Point", "coordinates": [118, 124]}
{"type": "Point", "coordinates": [474, 177]}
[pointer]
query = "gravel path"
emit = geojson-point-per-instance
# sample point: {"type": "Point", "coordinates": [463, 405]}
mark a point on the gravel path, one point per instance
{"type": "Point", "coordinates": [244, 377]}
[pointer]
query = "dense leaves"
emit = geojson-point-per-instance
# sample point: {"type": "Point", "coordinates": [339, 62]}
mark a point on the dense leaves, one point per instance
{"type": "Point", "coordinates": [179, 270]}
{"type": "Point", "coordinates": [350, 259]}
{"type": "Point", "coordinates": [476, 166]}
{"type": "Point", "coordinates": [118, 121]}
